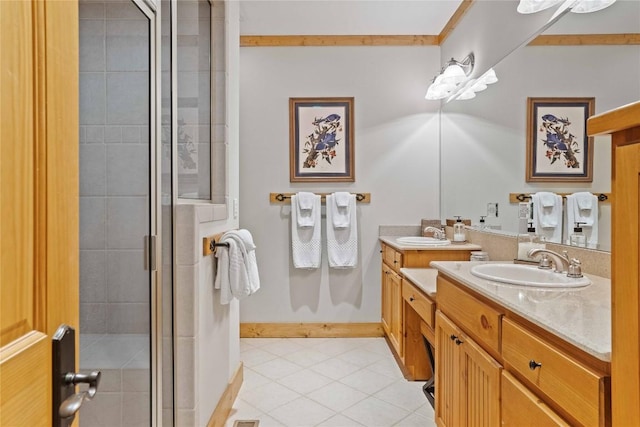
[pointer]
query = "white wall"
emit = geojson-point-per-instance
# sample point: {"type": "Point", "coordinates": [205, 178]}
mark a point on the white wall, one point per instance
{"type": "Point", "coordinates": [396, 160]}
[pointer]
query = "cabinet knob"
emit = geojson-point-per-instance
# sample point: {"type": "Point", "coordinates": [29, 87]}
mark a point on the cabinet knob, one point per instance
{"type": "Point", "coordinates": [453, 337]}
{"type": "Point", "coordinates": [411, 298]}
{"type": "Point", "coordinates": [380, 250]}
{"type": "Point", "coordinates": [533, 365]}
{"type": "Point", "coordinates": [458, 342]}
{"type": "Point", "coordinates": [395, 262]}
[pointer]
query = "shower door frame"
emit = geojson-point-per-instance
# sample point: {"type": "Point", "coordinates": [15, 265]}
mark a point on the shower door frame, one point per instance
{"type": "Point", "coordinates": [151, 9]}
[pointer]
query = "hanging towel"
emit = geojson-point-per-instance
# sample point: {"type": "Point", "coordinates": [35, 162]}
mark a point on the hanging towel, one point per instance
{"type": "Point", "coordinates": [342, 242]}
{"type": "Point", "coordinates": [340, 206]}
{"type": "Point", "coordinates": [548, 219]}
{"type": "Point", "coordinates": [583, 207]}
{"type": "Point", "coordinates": [237, 275]}
{"type": "Point", "coordinates": [305, 240]}
{"type": "Point", "coordinates": [304, 204]}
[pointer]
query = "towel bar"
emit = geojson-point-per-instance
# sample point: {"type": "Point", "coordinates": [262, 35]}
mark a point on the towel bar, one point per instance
{"type": "Point", "coordinates": [286, 197]}
{"type": "Point", "coordinates": [521, 197]}
{"type": "Point", "coordinates": [210, 243]}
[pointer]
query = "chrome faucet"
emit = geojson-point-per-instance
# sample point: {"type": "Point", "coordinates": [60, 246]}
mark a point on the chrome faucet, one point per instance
{"type": "Point", "coordinates": [561, 263]}
{"type": "Point", "coordinates": [437, 233]}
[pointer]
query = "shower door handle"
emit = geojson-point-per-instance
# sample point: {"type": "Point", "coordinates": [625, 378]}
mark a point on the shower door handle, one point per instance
{"type": "Point", "coordinates": [65, 401]}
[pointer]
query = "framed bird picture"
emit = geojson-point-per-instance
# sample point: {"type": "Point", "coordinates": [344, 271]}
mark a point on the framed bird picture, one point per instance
{"type": "Point", "coordinates": [321, 144]}
{"type": "Point", "coordinates": [558, 148]}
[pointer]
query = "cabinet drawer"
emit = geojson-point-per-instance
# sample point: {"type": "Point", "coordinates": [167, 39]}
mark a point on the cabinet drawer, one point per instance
{"type": "Point", "coordinates": [473, 316]}
{"type": "Point", "coordinates": [392, 257]}
{"type": "Point", "coordinates": [522, 408]}
{"type": "Point", "coordinates": [419, 302]}
{"type": "Point", "coordinates": [576, 388]}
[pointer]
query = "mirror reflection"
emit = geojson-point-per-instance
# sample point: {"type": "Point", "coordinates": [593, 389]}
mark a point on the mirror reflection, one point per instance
{"type": "Point", "coordinates": [483, 140]}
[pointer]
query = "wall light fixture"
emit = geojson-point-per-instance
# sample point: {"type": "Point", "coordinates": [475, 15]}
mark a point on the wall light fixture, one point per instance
{"type": "Point", "coordinates": [450, 76]}
{"type": "Point", "coordinates": [576, 6]}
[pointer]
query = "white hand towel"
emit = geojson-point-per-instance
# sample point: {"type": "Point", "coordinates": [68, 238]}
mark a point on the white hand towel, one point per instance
{"type": "Point", "coordinates": [340, 211]}
{"type": "Point", "coordinates": [588, 218]}
{"type": "Point", "coordinates": [342, 243]}
{"type": "Point", "coordinates": [548, 220]}
{"type": "Point", "coordinates": [305, 241]}
{"type": "Point", "coordinates": [304, 204]}
{"type": "Point", "coordinates": [585, 200]}
{"type": "Point", "coordinates": [237, 275]}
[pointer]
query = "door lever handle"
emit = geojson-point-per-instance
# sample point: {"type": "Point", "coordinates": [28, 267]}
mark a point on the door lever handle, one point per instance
{"type": "Point", "coordinates": [72, 404]}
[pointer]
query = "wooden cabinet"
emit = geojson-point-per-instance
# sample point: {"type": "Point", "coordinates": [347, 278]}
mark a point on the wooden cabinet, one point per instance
{"type": "Point", "coordinates": [419, 321]}
{"type": "Point", "coordinates": [392, 307]}
{"type": "Point", "coordinates": [623, 124]}
{"type": "Point", "coordinates": [399, 326]}
{"type": "Point", "coordinates": [493, 367]}
{"type": "Point", "coordinates": [467, 379]}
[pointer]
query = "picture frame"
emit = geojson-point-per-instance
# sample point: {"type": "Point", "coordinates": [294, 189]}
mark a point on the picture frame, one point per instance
{"type": "Point", "coordinates": [321, 140]}
{"type": "Point", "coordinates": [558, 147]}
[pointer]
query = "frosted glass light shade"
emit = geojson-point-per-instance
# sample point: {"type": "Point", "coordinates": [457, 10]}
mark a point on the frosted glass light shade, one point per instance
{"type": "Point", "coordinates": [489, 77]}
{"type": "Point", "coordinates": [453, 74]}
{"type": "Point", "coordinates": [467, 94]}
{"type": "Point", "coordinates": [588, 6]}
{"type": "Point", "coordinates": [533, 6]}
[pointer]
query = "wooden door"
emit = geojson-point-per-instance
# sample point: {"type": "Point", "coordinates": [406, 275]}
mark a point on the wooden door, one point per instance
{"type": "Point", "coordinates": [38, 199]}
{"type": "Point", "coordinates": [447, 383]}
{"type": "Point", "coordinates": [480, 390]}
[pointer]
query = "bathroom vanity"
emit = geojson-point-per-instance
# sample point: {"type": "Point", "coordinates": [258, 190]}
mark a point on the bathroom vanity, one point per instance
{"type": "Point", "coordinates": [518, 355]}
{"type": "Point", "coordinates": [407, 307]}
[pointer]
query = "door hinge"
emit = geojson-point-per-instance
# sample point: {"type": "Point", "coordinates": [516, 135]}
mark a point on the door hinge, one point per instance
{"type": "Point", "coordinates": [150, 253]}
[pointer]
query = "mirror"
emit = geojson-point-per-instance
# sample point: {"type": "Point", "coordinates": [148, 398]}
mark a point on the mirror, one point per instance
{"type": "Point", "coordinates": [483, 140]}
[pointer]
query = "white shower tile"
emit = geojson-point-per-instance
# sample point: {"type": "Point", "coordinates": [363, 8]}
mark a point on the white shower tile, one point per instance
{"type": "Point", "coordinates": [104, 410]}
{"type": "Point", "coordinates": [136, 409]}
{"type": "Point", "coordinates": [128, 98]}
{"type": "Point", "coordinates": [93, 170]}
{"type": "Point", "coordinates": [128, 169]}
{"type": "Point", "coordinates": [92, 223]}
{"type": "Point", "coordinates": [186, 310]}
{"type": "Point", "coordinates": [128, 222]}
{"type": "Point", "coordinates": [92, 98]}
{"type": "Point", "coordinates": [128, 318]}
{"type": "Point", "coordinates": [93, 317]}
{"type": "Point", "coordinates": [128, 52]}
{"type": "Point", "coordinates": [127, 279]}
{"type": "Point", "coordinates": [185, 374]}
{"type": "Point", "coordinates": [93, 280]}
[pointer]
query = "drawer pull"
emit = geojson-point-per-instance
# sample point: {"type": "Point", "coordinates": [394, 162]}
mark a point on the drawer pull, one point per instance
{"type": "Point", "coordinates": [533, 365]}
{"type": "Point", "coordinates": [453, 337]}
{"type": "Point", "coordinates": [458, 342]}
{"type": "Point", "coordinates": [411, 298]}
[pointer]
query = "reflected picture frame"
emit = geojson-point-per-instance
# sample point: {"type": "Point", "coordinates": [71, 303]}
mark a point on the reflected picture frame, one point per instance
{"type": "Point", "coordinates": [558, 147]}
{"type": "Point", "coordinates": [321, 140]}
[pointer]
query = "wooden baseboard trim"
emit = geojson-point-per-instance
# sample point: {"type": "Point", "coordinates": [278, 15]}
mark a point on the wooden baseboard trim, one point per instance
{"type": "Point", "coordinates": [310, 330]}
{"type": "Point", "coordinates": [225, 404]}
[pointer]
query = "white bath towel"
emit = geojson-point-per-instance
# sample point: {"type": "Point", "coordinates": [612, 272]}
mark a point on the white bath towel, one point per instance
{"type": "Point", "coordinates": [548, 219]}
{"type": "Point", "coordinates": [582, 207]}
{"type": "Point", "coordinates": [306, 247]}
{"type": "Point", "coordinates": [237, 275]}
{"type": "Point", "coordinates": [340, 206]}
{"type": "Point", "coordinates": [304, 203]}
{"type": "Point", "coordinates": [342, 242]}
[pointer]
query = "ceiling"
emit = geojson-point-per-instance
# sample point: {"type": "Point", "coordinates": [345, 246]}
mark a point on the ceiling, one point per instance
{"type": "Point", "coordinates": [345, 17]}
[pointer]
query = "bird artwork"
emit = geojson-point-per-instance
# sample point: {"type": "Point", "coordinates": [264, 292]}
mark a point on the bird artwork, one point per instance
{"type": "Point", "coordinates": [559, 142]}
{"type": "Point", "coordinates": [321, 144]}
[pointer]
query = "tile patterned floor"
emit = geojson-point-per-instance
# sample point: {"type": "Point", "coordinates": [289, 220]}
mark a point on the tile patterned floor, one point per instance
{"type": "Point", "coordinates": [326, 382]}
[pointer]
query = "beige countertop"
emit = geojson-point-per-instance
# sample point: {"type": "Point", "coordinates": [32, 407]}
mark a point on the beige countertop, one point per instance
{"type": "Point", "coordinates": [580, 316]}
{"type": "Point", "coordinates": [393, 241]}
{"type": "Point", "coordinates": [423, 278]}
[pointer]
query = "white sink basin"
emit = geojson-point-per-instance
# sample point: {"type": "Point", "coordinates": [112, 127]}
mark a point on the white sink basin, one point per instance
{"type": "Point", "coordinates": [422, 241]}
{"type": "Point", "coordinates": [524, 275]}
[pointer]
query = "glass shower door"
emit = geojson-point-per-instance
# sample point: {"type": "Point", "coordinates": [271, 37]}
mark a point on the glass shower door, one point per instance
{"type": "Point", "coordinates": [120, 301]}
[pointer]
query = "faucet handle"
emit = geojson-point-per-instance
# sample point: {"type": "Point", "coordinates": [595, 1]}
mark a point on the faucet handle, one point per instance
{"type": "Point", "coordinates": [575, 268]}
{"type": "Point", "coordinates": [545, 262]}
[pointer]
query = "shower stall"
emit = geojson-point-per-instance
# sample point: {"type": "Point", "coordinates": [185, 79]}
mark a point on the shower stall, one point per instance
{"type": "Point", "coordinates": [126, 214]}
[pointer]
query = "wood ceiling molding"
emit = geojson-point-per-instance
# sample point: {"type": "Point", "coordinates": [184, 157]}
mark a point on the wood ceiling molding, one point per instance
{"type": "Point", "coordinates": [585, 39]}
{"type": "Point", "coordinates": [333, 40]}
{"type": "Point", "coordinates": [455, 18]}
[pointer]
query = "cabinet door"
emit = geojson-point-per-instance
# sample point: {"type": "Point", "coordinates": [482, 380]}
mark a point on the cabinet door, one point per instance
{"type": "Point", "coordinates": [447, 372]}
{"type": "Point", "coordinates": [386, 299]}
{"type": "Point", "coordinates": [480, 391]}
{"type": "Point", "coordinates": [396, 303]}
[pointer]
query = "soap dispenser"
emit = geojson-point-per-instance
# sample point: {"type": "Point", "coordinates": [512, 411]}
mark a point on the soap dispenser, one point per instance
{"type": "Point", "coordinates": [578, 238]}
{"type": "Point", "coordinates": [529, 241]}
{"type": "Point", "coordinates": [459, 234]}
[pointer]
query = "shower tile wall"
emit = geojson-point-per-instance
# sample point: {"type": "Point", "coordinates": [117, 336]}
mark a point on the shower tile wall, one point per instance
{"type": "Point", "coordinates": [114, 168]}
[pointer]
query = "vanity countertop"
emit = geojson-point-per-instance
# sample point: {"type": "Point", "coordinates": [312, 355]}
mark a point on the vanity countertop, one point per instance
{"type": "Point", "coordinates": [423, 278]}
{"type": "Point", "coordinates": [393, 242]}
{"type": "Point", "coordinates": [580, 316]}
